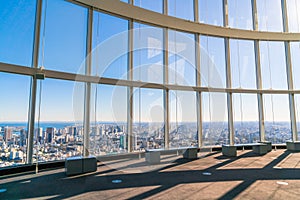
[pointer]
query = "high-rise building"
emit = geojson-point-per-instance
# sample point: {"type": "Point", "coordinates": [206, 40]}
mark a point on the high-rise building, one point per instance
{"type": "Point", "coordinates": [123, 141]}
{"type": "Point", "coordinates": [7, 134]}
{"type": "Point", "coordinates": [73, 130]}
{"type": "Point", "coordinates": [23, 137]}
{"type": "Point", "coordinates": [50, 131]}
{"type": "Point", "coordinates": [38, 134]}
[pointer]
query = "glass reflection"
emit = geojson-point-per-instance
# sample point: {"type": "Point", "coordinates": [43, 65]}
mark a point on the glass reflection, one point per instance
{"type": "Point", "coordinates": [293, 12]}
{"type": "Point", "coordinates": [215, 119]}
{"type": "Point", "coordinates": [273, 65]}
{"type": "Point", "coordinates": [16, 46]}
{"type": "Point", "coordinates": [113, 63]}
{"type": "Point", "coordinates": [13, 119]}
{"type": "Point", "coordinates": [63, 36]}
{"type": "Point", "coordinates": [277, 118]}
{"type": "Point", "coordinates": [148, 53]}
{"type": "Point", "coordinates": [183, 119]}
{"type": "Point", "coordinates": [242, 63]}
{"type": "Point", "coordinates": [245, 117]}
{"type": "Point", "coordinates": [211, 12]}
{"type": "Point", "coordinates": [108, 120]}
{"type": "Point", "coordinates": [240, 14]}
{"type": "Point", "coordinates": [148, 119]}
{"type": "Point", "coordinates": [269, 15]}
{"type": "Point", "coordinates": [183, 9]}
{"type": "Point", "coordinates": [156, 6]}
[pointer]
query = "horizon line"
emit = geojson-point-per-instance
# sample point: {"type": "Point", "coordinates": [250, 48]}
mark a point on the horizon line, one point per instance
{"type": "Point", "coordinates": [2, 122]}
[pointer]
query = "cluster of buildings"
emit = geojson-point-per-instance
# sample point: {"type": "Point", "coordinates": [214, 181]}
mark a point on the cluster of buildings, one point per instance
{"type": "Point", "coordinates": [49, 144]}
{"type": "Point", "coordinates": [57, 143]}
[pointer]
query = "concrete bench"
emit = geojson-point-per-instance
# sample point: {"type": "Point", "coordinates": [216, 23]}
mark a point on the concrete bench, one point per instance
{"type": "Point", "coordinates": [152, 156]}
{"type": "Point", "coordinates": [269, 145]}
{"type": "Point", "coordinates": [80, 165]}
{"type": "Point", "coordinates": [293, 145]}
{"type": "Point", "coordinates": [229, 150]}
{"type": "Point", "coordinates": [258, 148]}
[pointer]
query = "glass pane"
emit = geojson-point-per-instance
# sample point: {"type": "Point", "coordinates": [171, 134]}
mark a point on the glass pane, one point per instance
{"type": "Point", "coordinates": [148, 119]}
{"type": "Point", "coordinates": [245, 117]}
{"type": "Point", "coordinates": [211, 12]}
{"type": "Point", "coordinates": [108, 120]}
{"type": "Point", "coordinates": [148, 54]}
{"type": "Point", "coordinates": [295, 52]}
{"type": "Point", "coordinates": [63, 36]}
{"type": "Point", "coordinates": [277, 118]}
{"type": "Point", "coordinates": [13, 118]}
{"type": "Point", "coordinates": [156, 6]}
{"type": "Point", "coordinates": [269, 15]}
{"type": "Point", "coordinates": [181, 9]}
{"type": "Point", "coordinates": [58, 130]}
{"type": "Point", "coordinates": [215, 120]}
{"type": "Point", "coordinates": [213, 66]}
{"type": "Point", "coordinates": [297, 109]}
{"type": "Point", "coordinates": [293, 11]}
{"type": "Point", "coordinates": [17, 46]}
{"type": "Point", "coordinates": [182, 68]}
{"type": "Point", "coordinates": [242, 63]}
{"type": "Point", "coordinates": [183, 119]}
{"type": "Point", "coordinates": [273, 65]}
{"type": "Point", "coordinates": [240, 14]}
{"type": "Point", "coordinates": [110, 46]}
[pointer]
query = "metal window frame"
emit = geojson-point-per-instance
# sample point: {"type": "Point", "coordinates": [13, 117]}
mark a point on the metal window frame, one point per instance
{"type": "Point", "coordinates": [33, 92]}
{"type": "Point", "coordinates": [28, 71]}
{"type": "Point", "coordinates": [87, 94]}
{"type": "Point", "coordinates": [198, 78]}
{"type": "Point", "coordinates": [289, 72]}
{"type": "Point", "coordinates": [260, 102]}
{"type": "Point", "coordinates": [131, 12]}
{"type": "Point", "coordinates": [130, 88]}
{"type": "Point", "coordinates": [228, 76]}
{"type": "Point", "coordinates": [166, 80]}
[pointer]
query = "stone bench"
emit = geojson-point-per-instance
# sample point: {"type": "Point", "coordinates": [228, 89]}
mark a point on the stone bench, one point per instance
{"type": "Point", "coordinates": [229, 150]}
{"type": "Point", "coordinates": [80, 165]}
{"type": "Point", "coordinates": [269, 145]}
{"type": "Point", "coordinates": [152, 156]}
{"type": "Point", "coordinates": [293, 145]}
{"type": "Point", "coordinates": [258, 148]}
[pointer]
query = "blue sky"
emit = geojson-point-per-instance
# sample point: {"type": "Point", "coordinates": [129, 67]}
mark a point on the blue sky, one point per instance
{"type": "Point", "coordinates": [63, 48]}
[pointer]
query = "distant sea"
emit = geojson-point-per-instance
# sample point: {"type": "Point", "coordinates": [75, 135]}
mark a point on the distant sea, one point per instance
{"type": "Point", "coordinates": [60, 125]}
{"type": "Point", "coordinates": [43, 125]}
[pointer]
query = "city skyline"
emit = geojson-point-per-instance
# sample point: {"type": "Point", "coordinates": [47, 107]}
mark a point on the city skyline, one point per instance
{"type": "Point", "coordinates": [56, 141]}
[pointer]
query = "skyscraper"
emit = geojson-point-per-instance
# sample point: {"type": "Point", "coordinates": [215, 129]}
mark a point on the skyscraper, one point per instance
{"type": "Point", "coordinates": [50, 134]}
{"type": "Point", "coordinates": [7, 134]}
{"type": "Point", "coordinates": [38, 134]}
{"type": "Point", "coordinates": [23, 137]}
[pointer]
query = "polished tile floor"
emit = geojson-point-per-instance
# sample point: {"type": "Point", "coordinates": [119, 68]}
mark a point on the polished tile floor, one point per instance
{"type": "Point", "coordinates": [275, 175]}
